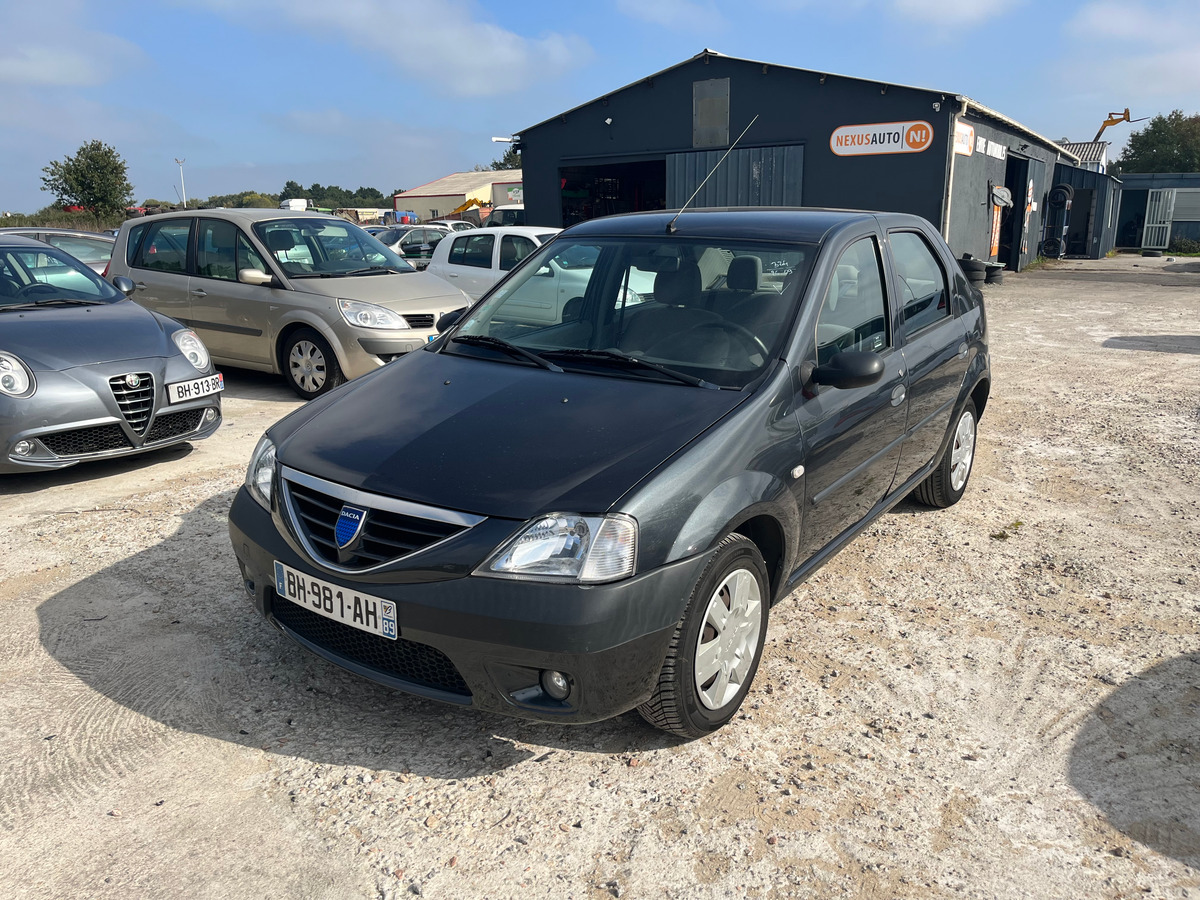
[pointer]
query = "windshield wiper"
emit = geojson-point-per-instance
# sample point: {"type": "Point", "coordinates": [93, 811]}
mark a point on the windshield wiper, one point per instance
{"type": "Point", "coordinates": [371, 270]}
{"type": "Point", "coordinates": [632, 362]}
{"type": "Point", "coordinates": [69, 301]}
{"type": "Point", "coordinates": [482, 340]}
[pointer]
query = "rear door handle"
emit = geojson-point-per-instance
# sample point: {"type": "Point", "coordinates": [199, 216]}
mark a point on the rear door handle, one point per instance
{"type": "Point", "coordinates": [452, 274]}
{"type": "Point", "coordinates": [198, 293]}
{"type": "Point", "coordinates": [898, 395]}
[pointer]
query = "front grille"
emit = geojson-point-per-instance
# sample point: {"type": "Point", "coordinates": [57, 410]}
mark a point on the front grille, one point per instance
{"type": "Point", "coordinates": [409, 661]}
{"type": "Point", "coordinates": [136, 402]}
{"type": "Point", "coordinates": [170, 425]}
{"type": "Point", "coordinates": [421, 321]}
{"type": "Point", "coordinates": [98, 439]}
{"type": "Point", "coordinates": [386, 535]}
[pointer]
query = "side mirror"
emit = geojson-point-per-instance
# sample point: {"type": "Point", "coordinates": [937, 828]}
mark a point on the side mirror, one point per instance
{"type": "Point", "coordinates": [255, 277]}
{"type": "Point", "coordinates": [850, 369]}
{"type": "Point", "coordinates": [450, 318]}
{"type": "Point", "coordinates": [124, 285]}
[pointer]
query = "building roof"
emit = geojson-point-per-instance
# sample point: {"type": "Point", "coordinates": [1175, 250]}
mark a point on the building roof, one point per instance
{"type": "Point", "coordinates": [464, 183]}
{"type": "Point", "coordinates": [969, 104]}
{"type": "Point", "coordinates": [1087, 151]}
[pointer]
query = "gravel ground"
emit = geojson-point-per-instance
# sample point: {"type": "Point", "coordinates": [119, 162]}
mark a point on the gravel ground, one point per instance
{"type": "Point", "coordinates": [997, 700]}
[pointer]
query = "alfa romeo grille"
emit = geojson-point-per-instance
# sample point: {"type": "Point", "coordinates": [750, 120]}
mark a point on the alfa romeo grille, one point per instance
{"type": "Point", "coordinates": [391, 529]}
{"type": "Point", "coordinates": [170, 425]}
{"type": "Point", "coordinates": [82, 441]}
{"type": "Point", "coordinates": [135, 397]}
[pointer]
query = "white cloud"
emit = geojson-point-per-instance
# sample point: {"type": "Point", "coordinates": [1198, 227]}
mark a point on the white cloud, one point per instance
{"type": "Point", "coordinates": [438, 42]}
{"type": "Point", "coordinates": [55, 50]}
{"type": "Point", "coordinates": [685, 15]}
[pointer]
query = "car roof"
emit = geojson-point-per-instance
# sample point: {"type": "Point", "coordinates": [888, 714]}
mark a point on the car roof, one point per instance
{"type": "Point", "coordinates": [774, 223]}
{"type": "Point", "coordinates": [37, 229]}
{"type": "Point", "coordinates": [248, 215]}
{"type": "Point", "coordinates": [523, 230]}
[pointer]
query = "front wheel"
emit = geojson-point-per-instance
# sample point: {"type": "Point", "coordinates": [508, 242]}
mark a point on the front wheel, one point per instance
{"type": "Point", "coordinates": [945, 484]}
{"type": "Point", "coordinates": [715, 650]}
{"type": "Point", "coordinates": [309, 365]}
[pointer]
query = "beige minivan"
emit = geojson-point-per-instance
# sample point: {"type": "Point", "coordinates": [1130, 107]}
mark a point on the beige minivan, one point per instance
{"type": "Point", "coordinates": [308, 295]}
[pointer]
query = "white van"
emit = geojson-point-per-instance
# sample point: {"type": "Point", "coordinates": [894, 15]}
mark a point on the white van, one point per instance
{"type": "Point", "coordinates": [510, 214]}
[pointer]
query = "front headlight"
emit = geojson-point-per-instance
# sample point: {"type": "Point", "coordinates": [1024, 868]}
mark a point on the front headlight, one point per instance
{"type": "Point", "coordinates": [15, 378]}
{"type": "Point", "coordinates": [569, 547]}
{"type": "Point", "coordinates": [192, 347]}
{"type": "Point", "coordinates": [368, 315]}
{"type": "Point", "coordinates": [261, 473]}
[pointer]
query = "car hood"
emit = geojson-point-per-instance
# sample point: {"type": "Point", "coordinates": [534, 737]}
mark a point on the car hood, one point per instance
{"type": "Point", "coordinates": [391, 290]}
{"type": "Point", "coordinates": [496, 439]}
{"type": "Point", "coordinates": [54, 338]}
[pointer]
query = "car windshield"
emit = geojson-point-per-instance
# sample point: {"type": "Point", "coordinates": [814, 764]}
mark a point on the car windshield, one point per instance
{"type": "Point", "coordinates": [326, 248]}
{"type": "Point", "coordinates": [44, 276]}
{"type": "Point", "coordinates": [713, 311]}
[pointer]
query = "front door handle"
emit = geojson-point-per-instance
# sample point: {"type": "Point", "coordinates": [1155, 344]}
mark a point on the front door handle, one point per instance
{"type": "Point", "coordinates": [140, 285]}
{"type": "Point", "coordinates": [452, 274]}
{"type": "Point", "coordinates": [198, 293]}
{"type": "Point", "coordinates": [962, 350]}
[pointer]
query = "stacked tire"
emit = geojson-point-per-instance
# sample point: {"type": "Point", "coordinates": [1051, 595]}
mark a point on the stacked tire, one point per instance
{"type": "Point", "coordinates": [976, 270]}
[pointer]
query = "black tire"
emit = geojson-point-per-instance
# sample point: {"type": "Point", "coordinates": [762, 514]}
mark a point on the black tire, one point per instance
{"type": "Point", "coordinates": [677, 705]}
{"type": "Point", "coordinates": [309, 364]}
{"type": "Point", "coordinates": [943, 488]}
{"type": "Point", "coordinates": [1152, 253]}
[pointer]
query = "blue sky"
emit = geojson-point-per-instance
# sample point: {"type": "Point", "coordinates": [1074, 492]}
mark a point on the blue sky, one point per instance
{"type": "Point", "coordinates": [386, 94]}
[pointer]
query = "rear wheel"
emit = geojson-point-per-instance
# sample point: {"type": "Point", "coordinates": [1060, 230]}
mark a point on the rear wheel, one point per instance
{"type": "Point", "coordinates": [309, 365]}
{"type": "Point", "coordinates": [945, 484]}
{"type": "Point", "coordinates": [717, 645]}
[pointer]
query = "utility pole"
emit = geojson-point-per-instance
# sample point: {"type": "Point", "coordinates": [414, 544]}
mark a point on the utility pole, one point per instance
{"type": "Point", "coordinates": [182, 184]}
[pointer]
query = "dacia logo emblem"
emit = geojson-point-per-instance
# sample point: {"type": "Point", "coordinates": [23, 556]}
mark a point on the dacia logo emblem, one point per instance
{"type": "Point", "coordinates": [348, 531]}
{"type": "Point", "coordinates": [133, 379]}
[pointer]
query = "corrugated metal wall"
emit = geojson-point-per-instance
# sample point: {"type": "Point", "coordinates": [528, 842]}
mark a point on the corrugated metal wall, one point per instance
{"type": "Point", "coordinates": [755, 176]}
{"type": "Point", "coordinates": [1187, 205]}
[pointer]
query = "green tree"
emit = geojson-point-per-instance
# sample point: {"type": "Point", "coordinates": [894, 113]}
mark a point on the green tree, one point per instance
{"type": "Point", "coordinates": [94, 178]}
{"type": "Point", "coordinates": [1168, 144]}
{"type": "Point", "coordinates": [510, 160]}
{"type": "Point", "coordinates": [243, 200]}
{"type": "Point", "coordinates": [292, 191]}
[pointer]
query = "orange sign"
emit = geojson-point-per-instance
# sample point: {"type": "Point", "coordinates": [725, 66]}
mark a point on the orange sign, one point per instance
{"type": "Point", "coordinates": [883, 137]}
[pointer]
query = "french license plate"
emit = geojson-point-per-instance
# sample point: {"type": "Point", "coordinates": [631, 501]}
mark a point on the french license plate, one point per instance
{"type": "Point", "coordinates": [432, 337]}
{"type": "Point", "coordinates": [373, 615]}
{"type": "Point", "coordinates": [197, 387]}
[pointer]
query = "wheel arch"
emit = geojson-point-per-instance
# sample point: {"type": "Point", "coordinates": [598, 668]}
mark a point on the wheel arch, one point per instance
{"type": "Point", "coordinates": [287, 329]}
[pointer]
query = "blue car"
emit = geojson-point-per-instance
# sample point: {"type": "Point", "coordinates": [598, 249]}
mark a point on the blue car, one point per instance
{"type": "Point", "coordinates": [86, 373]}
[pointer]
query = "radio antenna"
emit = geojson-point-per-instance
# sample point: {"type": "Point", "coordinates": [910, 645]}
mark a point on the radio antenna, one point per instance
{"type": "Point", "coordinates": [671, 224]}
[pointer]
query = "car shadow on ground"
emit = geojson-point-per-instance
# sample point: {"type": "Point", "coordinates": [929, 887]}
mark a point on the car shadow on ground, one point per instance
{"type": "Point", "coordinates": [247, 384]}
{"type": "Point", "coordinates": [169, 634]}
{"type": "Point", "coordinates": [91, 470]}
{"type": "Point", "coordinates": [1157, 343]}
{"type": "Point", "coordinates": [1137, 758]}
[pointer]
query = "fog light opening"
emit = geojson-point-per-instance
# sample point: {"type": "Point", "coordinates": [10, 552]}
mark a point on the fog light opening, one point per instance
{"type": "Point", "coordinates": [210, 415]}
{"type": "Point", "coordinates": [23, 448]}
{"type": "Point", "coordinates": [555, 684]}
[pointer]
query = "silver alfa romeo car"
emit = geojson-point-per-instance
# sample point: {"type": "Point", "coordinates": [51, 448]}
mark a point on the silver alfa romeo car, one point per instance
{"type": "Point", "coordinates": [86, 373]}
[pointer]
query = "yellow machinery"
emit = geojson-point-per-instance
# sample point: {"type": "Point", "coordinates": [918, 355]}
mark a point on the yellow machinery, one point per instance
{"type": "Point", "coordinates": [1116, 119]}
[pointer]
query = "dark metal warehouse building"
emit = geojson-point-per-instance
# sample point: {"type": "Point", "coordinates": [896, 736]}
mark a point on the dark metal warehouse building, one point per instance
{"type": "Point", "coordinates": [820, 140]}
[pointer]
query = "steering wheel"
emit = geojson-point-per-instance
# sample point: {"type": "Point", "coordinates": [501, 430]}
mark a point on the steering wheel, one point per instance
{"type": "Point", "coordinates": [36, 287]}
{"type": "Point", "coordinates": [751, 342]}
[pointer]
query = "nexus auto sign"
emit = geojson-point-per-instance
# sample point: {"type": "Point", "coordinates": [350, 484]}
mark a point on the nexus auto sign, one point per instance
{"type": "Point", "coordinates": [886, 137]}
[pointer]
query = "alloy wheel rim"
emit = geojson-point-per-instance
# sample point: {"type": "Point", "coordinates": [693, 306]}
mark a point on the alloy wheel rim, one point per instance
{"type": "Point", "coordinates": [307, 364]}
{"type": "Point", "coordinates": [963, 452]}
{"type": "Point", "coordinates": [728, 643]}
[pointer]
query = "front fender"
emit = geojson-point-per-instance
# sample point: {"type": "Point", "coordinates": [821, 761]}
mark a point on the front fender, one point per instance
{"type": "Point", "coordinates": [732, 502]}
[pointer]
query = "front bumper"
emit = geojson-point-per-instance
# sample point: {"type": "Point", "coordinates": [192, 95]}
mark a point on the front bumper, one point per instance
{"type": "Point", "coordinates": [483, 642]}
{"type": "Point", "coordinates": [73, 417]}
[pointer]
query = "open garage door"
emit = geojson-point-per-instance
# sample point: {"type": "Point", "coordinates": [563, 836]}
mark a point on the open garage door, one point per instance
{"type": "Point", "coordinates": [755, 176]}
{"type": "Point", "coordinates": [589, 192]}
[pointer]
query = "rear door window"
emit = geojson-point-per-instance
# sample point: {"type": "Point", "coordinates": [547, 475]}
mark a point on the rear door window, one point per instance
{"type": "Point", "coordinates": [473, 250]}
{"type": "Point", "coordinates": [165, 246]}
